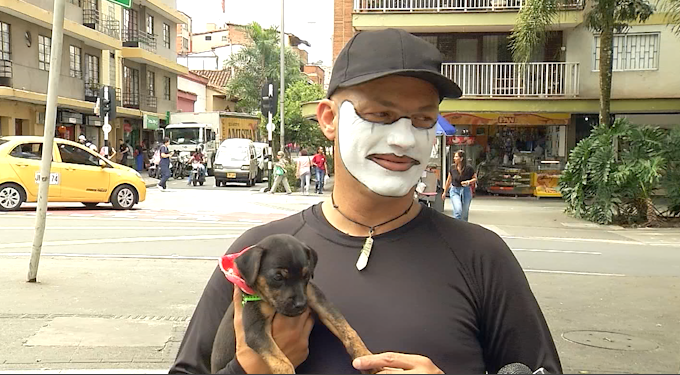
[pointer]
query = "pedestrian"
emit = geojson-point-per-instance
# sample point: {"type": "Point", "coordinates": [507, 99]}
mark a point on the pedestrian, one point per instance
{"type": "Point", "coordinates": [108, 152]}
{"type": "Point", "coordinates": [139, 157]}
{"type": "Point", "coordinates": [304, 171]}
{"type": "Point", "coordinates": [448, 292]}
{"type": "Point", "coordinates": [280, 174]}
{"type": "Point", "coordinates": [461, 177]}
{"type": "Point", "coordinates": [319, 161]}
{"type": "Point", "coordinates": [165, 164]}
{"type": "Point", "coordinates": [124, 151]}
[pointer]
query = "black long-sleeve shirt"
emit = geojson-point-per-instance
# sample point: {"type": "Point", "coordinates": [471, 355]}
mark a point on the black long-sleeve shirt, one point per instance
{"type": "Point", "coordinates": [437, 287]}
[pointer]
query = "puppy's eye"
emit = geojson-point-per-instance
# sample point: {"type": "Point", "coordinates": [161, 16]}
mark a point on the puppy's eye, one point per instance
{"type": "Point", "coordinates": [278, 276]}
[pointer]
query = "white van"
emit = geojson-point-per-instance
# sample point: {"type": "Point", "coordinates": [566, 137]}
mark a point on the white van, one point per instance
{"type": "Point", "coordinates": [236, 161]}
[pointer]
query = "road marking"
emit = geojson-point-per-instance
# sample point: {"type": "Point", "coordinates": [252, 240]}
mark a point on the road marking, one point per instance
{"type": "Point", "coordinates": [495, 229]}
{"type": "Point", "coordinates": [566, 239]}
{"type": "Point", "coordinates": [166, 220]}
{"type": "Point", "coordinates": [81, 215]}
{"type": "Point", "coordinates": [558, 251]}
{"type": "Point", "coordinates": [576, 273]}
{"type": "Point", "coordinates": [220, 228]}
{"type": "Point", "coordinates": [114, 256]}
{"type": "Point", "coordinates": [119, 240]}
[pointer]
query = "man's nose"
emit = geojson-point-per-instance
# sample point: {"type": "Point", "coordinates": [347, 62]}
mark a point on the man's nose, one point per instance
{"type": "Point", "coordinates": [402, 134]}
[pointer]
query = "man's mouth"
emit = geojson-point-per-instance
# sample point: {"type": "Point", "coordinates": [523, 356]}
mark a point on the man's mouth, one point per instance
{"type": "Point", "coordinates": [393, 162]}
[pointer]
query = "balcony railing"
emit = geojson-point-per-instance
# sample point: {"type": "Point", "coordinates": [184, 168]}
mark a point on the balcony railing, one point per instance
{"type": "Point", "coordinates": [541, 79]}
{"type": "Point", "coordinates": [5, 73]}
{"type": "Point", "coordinates": [141, 39]}
{"type": "Point", "coordinates": [133, 100]}
{"type": "Point", "coordinates": [448, 5]}
{"type": "Point", "coordinates": [94, 19]}
{"type": "Point", "coordinates": [92, 91]}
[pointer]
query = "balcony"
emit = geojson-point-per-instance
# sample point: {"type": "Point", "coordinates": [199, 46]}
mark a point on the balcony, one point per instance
{"type": "Point", "coordinates": [95, 20]}
{"type": "Point", "coordinates": [448, 5]}
{"type": "Point", "coordinates": [539, 79]}
{"type": "Point", "coordinates": [139, 39]}
{"type": "Point", "coordinates": [6, 73]}
{"type": "Point", "coordinates": [92, 91]}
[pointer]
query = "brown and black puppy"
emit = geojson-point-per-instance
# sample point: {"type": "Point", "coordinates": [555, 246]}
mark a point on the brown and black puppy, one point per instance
{"type": "Point", "coordinates": [278, 269]}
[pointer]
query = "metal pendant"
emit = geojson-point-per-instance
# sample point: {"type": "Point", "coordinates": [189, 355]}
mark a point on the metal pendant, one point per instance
{"type": "Point", "coordinates": [362, 262]}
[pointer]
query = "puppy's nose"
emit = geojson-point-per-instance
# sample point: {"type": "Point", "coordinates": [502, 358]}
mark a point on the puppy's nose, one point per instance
{"type": "Point", "coordinates": [299, 303]}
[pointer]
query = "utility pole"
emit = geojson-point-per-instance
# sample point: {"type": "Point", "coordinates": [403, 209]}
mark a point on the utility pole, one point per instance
{"type": "Point", "coordinates": [268, 107]}
{"type": "Point", "coordinates": [48, 138]}
{"type": "Point", "coordinates": [283, 71]}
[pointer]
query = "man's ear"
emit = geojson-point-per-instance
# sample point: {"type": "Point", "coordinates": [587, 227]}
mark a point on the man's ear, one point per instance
{"type": "Point", "coordinates": [312, 259]}
{"type": "Point", "coordinates": [326, 115]}
{"type": "Point", "coordinates": [248, 265]}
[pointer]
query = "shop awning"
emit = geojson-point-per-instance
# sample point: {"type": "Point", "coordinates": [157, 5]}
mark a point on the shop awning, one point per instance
{"type": "Point", "coordinates": [444, 127]}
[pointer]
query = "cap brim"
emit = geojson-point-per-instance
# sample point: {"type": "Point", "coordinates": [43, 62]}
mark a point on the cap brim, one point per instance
{"type": "Point", "coordinates": [446, 87]}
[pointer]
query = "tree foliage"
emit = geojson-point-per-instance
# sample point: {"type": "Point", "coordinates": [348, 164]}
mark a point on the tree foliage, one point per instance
{"type": "Point", "coordinates": [672, 10]}
{"type": "Point", "coordinates": [299, 130]}
{"type": "Point", "coordinates": [257, 63]}
{"type": "Point", "coordinates": [616, 173]}
{"type": "Point", "coordinates": [604, 17]}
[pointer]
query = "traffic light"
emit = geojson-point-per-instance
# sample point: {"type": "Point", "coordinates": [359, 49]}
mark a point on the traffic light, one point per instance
{"type": "Point", "coordinates": [107, 102]}
{"type": "Point", "coordinates": [269, 102]}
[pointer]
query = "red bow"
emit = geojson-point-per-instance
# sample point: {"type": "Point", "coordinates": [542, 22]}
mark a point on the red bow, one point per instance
{"type": "Point", "coordinates": [228, 267]}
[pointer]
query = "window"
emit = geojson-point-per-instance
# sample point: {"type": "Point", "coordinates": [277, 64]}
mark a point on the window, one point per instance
{"type": "Point", "coordinates": [151, 82]}
{"type": "Point", "coordinates": [208, 37]}
{"type": "Point", "coordinates": [91, 75]}
{"type": "Point", "coordinates": [76, 155]}
{"type": "Point", "coordinates": [149, 25]}
{"type": "Point", "coordinates": [130, 24]}
{"type": "Point", "coordinates": [631, 52]}
{"type": "Point", "coordinates": [44, 52]}
{"type": "Point", "coordinates": [166, 35]}
{"type": "Point", "coordinates": [75, 68]}
{"type": "Point", "coordinates": [166, 88]}
{"type": "Point", "coordinates": [31, 151]}
{"type": "Point", "coordinates": [4, 42]}
{"type": "Point", "coordinates": [224, 38]}
{"type": "Point", "coordinates": [185, 43]}
{"type": "Point", "coordinates": [131, 86]}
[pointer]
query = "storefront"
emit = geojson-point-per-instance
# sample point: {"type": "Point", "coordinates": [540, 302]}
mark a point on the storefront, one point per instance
{"type": "Point", "coordinates": [68, 124]}
{"type": "Point", "coordinates": [513, 153]}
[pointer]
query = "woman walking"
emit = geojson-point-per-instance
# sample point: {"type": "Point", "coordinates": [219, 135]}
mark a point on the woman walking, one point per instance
{"type": "Point", "coordinates": [461, 176]}
{"type": "Point", "coordinates": [304, 171]}
{"type": "Point", "coordinates": [280, 173]}
{"type": "Point", "coordinates": [319, 161]}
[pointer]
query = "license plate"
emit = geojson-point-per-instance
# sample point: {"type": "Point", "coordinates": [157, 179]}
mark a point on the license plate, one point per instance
{"type": "Point", "coordinates": [231, 175]}
{"type": "Point", "coordinates": [55, 178]}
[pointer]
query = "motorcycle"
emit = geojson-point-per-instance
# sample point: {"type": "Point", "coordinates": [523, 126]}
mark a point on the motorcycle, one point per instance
{"type": "Point", "coordinates": [179, 166]}
{"type": "Point", "coordinates": [197, 174]}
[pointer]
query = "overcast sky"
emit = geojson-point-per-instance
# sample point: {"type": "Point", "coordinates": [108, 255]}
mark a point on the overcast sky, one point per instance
{"type": "Point", "coordinates": [310, 20]}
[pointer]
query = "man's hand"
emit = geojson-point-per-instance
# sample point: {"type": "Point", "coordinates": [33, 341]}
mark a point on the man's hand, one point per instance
{"type": "Point", "coordinates": [290, 334]}
{"type": "Point", "coordinates": [397, 363]}
{"type": "Point", "coordinates": [444, 195]}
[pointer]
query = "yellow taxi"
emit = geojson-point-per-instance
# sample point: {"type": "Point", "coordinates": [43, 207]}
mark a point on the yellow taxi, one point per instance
{"type": "Point", "coordinates": [77, 175]}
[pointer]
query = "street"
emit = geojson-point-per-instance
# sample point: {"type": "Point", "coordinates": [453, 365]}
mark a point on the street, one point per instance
{"type": "Point", "coordinates": [116, 288]}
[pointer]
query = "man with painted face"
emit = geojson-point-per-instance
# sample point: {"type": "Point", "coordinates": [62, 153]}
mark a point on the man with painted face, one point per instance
{"type": "Point", "coordinates": [407, 278]}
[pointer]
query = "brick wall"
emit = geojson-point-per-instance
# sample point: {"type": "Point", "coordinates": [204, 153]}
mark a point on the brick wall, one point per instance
{"type": "Point", "coordinates": [342, 24]}
{"type": "Point", "coordinates": [239, 35]}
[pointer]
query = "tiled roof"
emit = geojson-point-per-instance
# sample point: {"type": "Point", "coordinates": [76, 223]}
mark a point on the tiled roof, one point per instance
{"type": "Point", "coordinates": [216, 78]}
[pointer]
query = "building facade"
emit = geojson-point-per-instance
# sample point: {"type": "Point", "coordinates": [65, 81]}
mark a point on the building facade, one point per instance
{"type": "Point", "coordinates": [514, 114]}
{"type": "Point", "coordinates": [132, 50]}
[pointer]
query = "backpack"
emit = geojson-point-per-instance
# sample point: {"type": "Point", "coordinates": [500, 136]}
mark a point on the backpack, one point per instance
{"type": "Point", "coordinates": [157, 157]}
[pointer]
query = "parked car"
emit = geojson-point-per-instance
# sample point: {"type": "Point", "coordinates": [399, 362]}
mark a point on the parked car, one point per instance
{"type": "Point", "coordinates": [78, 175]}
{"type": "Point", "coordinates": [236, 161]}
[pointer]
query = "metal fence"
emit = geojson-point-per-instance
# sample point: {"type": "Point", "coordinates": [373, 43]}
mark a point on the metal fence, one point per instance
{"type": "Point", "coordinates": [448, 5]}
{"type": "Point", "coordinates": [141, 39]}
{"type": "Point", "coordinates": [94, 19]}
{"type": "Point", "coordinates": [539, 79]}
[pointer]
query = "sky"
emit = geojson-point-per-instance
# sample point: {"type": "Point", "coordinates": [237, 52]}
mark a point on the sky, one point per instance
{"type": "Point", "coordinates": [309, 20]}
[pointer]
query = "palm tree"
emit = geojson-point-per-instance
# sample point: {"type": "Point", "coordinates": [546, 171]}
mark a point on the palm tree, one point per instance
{"type": "Point", "coordinates": [604, 17]}
{"type": "Point", "coordinates": [672, 10]}
{"type": "Point", "coordinates": [257, 63]}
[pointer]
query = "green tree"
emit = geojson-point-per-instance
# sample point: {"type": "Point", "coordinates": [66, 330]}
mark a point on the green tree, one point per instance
{"type": "Point", "coordinates": [672, 10]}
{"type": "Point", "coordinates": [604, 17]}
{"type": "Point", "coordinates": [299, 130]}
{"type": "Point", "coordinates": [257, 63]}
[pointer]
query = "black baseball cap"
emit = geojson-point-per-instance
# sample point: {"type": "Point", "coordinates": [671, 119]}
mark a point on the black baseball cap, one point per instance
{"type": "Point", "coordinates": [375, 54]}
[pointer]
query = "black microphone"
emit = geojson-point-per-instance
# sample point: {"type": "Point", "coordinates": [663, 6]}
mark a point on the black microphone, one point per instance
{"type": "Point", "coordinates": [515, 368]}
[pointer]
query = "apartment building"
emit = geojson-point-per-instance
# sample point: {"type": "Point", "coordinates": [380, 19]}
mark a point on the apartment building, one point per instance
{"type": "Point", "coordinates": [540, 109]}
{"type": "Point", "coordinates": [132, 49]}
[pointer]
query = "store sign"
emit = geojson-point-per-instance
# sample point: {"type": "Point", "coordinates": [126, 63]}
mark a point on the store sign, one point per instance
{"type": "Point", "coordinates": [151, 122]}
{"type": "Point", "coordinates": [123, 3]}
{"type": "Point", "coordinates": [508, 119]}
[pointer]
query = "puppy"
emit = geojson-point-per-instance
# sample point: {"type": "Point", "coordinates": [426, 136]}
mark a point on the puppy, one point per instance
{"type": "Point", "coordinates": [278, 270]}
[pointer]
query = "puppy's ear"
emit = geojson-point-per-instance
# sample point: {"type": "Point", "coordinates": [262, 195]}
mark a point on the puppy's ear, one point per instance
{"type": "Point", "coordinates": [312, 258]}
{"type": "Point", "coordinates": [248, 264]}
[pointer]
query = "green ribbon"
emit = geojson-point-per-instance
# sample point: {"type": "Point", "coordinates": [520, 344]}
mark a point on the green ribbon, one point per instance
{"type": "Point", "coordinates": [249, 298]}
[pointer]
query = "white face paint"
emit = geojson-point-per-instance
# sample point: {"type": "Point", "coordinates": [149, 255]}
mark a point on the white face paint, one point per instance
{"type": "Point", "coordinates": [359, 140]}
